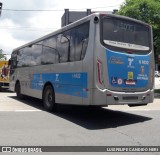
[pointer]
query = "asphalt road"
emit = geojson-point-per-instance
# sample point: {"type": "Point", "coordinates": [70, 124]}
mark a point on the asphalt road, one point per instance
{"type": "Point", "coordinates": [24, 123]}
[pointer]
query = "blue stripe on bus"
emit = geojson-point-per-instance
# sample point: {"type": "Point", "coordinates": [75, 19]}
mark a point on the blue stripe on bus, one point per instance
{"type": "Point", "coordinates": [74, 84]}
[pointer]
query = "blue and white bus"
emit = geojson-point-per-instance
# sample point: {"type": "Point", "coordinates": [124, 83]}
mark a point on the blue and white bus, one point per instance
{"type": "Point", "coordinates": [100, 60]}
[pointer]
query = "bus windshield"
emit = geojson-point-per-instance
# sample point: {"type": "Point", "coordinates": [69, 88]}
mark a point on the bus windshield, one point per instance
{"type": "Point", "coordinates": [125, 34]}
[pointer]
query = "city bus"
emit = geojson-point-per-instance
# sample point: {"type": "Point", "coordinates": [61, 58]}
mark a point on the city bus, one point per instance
{"type": "Point", "coordinates": [99, 60]}
{"type": "Point", "coordinates": [4, 74]}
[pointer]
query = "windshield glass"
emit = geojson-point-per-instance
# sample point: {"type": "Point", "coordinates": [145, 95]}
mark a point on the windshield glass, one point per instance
{"type": "Point", "coordinates": [125, 34]}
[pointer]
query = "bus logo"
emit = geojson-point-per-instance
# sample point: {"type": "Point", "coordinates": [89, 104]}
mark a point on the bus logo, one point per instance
{"type": "Point", "coordinates": [116, 60]}
{"type": "Point", "coordinates": [130, 61]}
{"type": "Point", "coordinates": [57, 78]}
{"type": "Point", "coordinates": [130, 75]}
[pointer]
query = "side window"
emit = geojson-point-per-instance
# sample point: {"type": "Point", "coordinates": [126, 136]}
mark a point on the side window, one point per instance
{"type": "Point", "coordinates": [63, 41]}
{"type": "Point", "coordinates": [29, 56]}
{"type": "Point", "coordinates": [72, 45]}
{"type": "Point", "coordinates": [25, 57]}
{"type": "Point", "coordinates": [81, 41]}
{"type": "Point", "coordinates": [50, 54]}
{"type": "Point", "coordinates": [19, 58]}
{"type": "Point", "coordinates": [36, 50]}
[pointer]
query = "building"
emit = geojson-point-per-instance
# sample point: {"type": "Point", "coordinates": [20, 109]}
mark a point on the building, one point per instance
{"type": "Point", "coordinates": [71, 16]}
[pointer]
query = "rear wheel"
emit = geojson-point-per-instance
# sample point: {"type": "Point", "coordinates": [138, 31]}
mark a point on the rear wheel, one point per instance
{"type": "Point", "coordinates": [18, 91]}
{"type": "Point", "coordinates": [49, 99]}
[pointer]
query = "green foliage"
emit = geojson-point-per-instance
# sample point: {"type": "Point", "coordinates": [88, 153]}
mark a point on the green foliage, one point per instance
{"type": "Point", "coordinates": [2, 56]}
{"type": "Point", "coordinates": [157, 91]}
{"type": "Point", "coordinates": [147, 11]}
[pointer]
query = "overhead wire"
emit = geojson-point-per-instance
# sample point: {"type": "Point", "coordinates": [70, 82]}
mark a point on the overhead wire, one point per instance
{"type": "Point", "coordinates": [27, 28]}
{"type": "Point", "coordinates": [40, 10]}
{"type": "Point", "coordinates": [28, 10]}
{"type": "Point", "coordinates": [48, 10]}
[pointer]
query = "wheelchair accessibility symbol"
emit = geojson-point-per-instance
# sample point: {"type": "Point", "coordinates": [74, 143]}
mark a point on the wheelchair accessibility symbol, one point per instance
{"type": "Point", "coordinates": [114, 80]}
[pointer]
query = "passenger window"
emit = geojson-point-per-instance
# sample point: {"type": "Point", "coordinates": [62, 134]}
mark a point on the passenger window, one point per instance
{"type": "Point", "coordinates": [81, 41]}
{"type": "Point", "coordinates": [50, 54]}
{"type": "Point", "coordinates": [63, 46]}
{"type": "Point", "coordinates": [36, 53]}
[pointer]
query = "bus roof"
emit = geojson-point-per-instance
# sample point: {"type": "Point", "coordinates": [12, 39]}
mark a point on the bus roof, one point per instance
{"type": "Point", "coordinates": [76, 23]}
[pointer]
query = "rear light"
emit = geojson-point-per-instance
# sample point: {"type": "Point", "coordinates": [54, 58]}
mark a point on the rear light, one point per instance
{"type": "Point", "coordinates": [100, 71]}
{"type": "Point", "coordinates": [109, 94]}
{"type": "Point", "coordinates": [152, 77]}
{"type": "Point", "coordinates": [129, 52]}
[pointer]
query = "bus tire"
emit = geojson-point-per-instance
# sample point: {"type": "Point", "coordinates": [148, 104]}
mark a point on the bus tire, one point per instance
{"type": "Point", "coordinates": [49, 99]}
{"type": "Point", "coordinates": [18, 91]}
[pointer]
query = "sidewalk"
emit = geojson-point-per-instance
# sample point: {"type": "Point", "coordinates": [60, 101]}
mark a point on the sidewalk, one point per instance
{"type": "Point", "coordinates": [157, 95]}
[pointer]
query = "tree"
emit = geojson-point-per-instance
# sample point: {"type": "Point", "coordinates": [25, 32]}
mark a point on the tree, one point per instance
{"type": "Point", "coordinates": [2, 56]}
{"type": "Point", "coordinates": [147, 11]}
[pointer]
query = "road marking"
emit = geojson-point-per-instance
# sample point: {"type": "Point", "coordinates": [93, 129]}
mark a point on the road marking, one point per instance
{"type": "Point", "coordinates": [27, 110]}
{"type": "Point", "coordinates": [122, 109]}
{"type": "Point", "coordinates": [136, 109]}
{"type": "Point", "coordinates": [12, 110]}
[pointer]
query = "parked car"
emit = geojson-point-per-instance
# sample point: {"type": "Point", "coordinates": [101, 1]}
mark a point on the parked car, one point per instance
{"type": "Point", "coordinates": [157, 74]}
{"type": "Point", "coordinates": [157, 81]}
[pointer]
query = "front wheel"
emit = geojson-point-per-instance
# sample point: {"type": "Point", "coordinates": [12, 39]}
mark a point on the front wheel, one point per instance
{"type": "Point", "coordinates": [49, 99]}
{"type": "Point", "coordinates": [18, 91]}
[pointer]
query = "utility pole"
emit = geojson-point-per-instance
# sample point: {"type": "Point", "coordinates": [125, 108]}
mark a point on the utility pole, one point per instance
{"type": "Point", "coordinates": [1, 8]}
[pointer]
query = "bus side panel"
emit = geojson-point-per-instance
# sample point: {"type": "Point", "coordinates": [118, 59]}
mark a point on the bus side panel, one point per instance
{"type": "Point", "coordinates": [25, 77]}
{"type": "Point", "coordinates": [88, 65]}
{"type": "Point", "coordinates": [100, 81]}
{"type": "Point", "coordinates": [65, 78]}
{"type": "Point", "coordinates": [67, 82]}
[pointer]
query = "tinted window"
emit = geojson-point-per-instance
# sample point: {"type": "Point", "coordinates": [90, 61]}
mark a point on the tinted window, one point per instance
{"type": "Point", "coordinates": [63, 41]}
{"type": "Point", "coordinates": [81, 41]}
{"type": "Point", "coordinates": [72, 45]}
{"type": "Point", "coordinates": [50, 54]}
{"type": "Point", "coordinates": [36, 53]}
{"type": "Point", "coordinates": [68, 46]}
{"type": "Point", "coordinates": [125, 34]}
{"type": "Point", "coordinates": [29, 56]}
{"type": "Point", "coordinates": [24, 57]}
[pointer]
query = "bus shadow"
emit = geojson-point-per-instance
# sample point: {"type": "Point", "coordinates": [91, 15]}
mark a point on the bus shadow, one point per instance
{"type": "Point", "coordinates": [91, 118]}
{"type": "Point", "coordinates": [33, 102]}
{"type": "Point", "coordinates": [99, 118]}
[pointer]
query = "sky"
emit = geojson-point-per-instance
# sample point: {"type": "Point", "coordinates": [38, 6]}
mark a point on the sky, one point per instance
{"type": "Point", "coordinates": [20, 27]}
